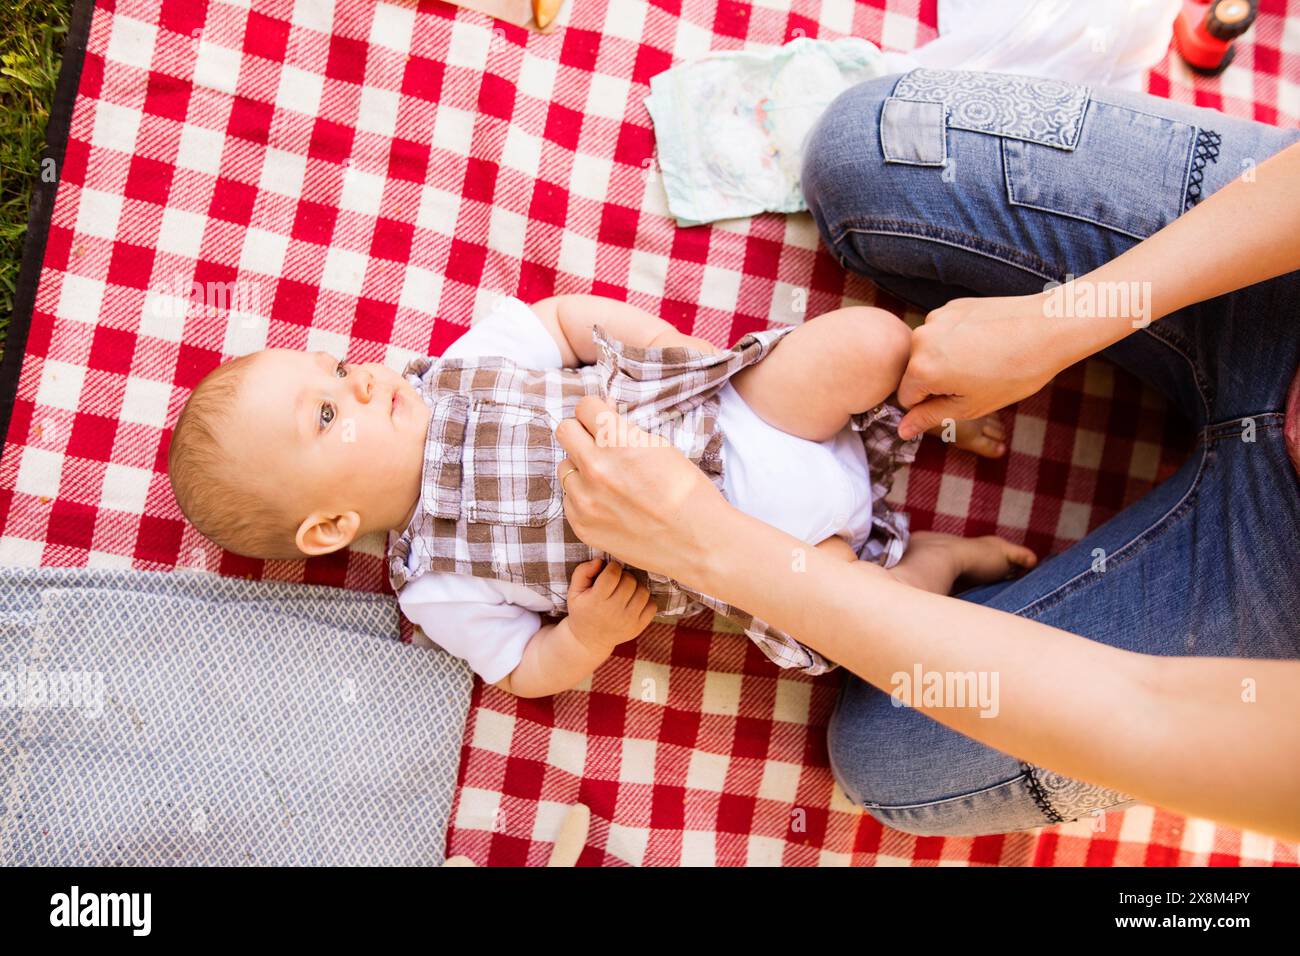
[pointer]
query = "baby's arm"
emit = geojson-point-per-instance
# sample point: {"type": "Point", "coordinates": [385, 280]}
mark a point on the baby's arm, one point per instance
{"type": "Point", "coordinates": [569, 319]}
{"type": "Point", "coordinates": [606, 608]}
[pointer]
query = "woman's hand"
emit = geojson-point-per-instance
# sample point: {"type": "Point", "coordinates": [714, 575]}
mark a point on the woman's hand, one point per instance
{"type": "Point", "coordinates": [974, 356]}
{"type": "Point", "coordinates": [634, 495]}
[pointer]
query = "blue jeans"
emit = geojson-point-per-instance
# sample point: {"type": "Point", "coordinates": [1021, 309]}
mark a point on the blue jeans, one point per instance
{"type": "Point", "coordinates": [959, 184]}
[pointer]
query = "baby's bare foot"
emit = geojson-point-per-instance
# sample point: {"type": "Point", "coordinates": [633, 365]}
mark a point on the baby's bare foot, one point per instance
{"type": "Point", "coordinates": [936, 562]}
{"type": "Point", "coordinates": [985, 436]}
{"type": "Point", "coordinates": [990, 558]}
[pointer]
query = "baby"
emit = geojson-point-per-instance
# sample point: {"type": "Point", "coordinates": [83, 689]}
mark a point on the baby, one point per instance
{"type": "Point", "coordinates": [284, 454]}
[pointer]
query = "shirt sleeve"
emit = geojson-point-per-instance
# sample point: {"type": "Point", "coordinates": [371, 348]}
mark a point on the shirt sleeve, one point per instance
{"type": "Point", "coordinates": [510, 330]}
{"type": "Point", "coordinates": [471, 618]}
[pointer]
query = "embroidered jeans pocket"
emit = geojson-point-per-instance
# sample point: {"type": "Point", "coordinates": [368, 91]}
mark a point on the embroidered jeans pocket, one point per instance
{"type": "Point", "coordinates": [925, 104]}
{"type": "Point", "coordinates": [510, 462]}
{"type": "Point", "coordinates": [1064, 150]}
{"type": "Point", "coordinates": [1048, 112]}
{"type": "Point", "coordinates": [1128, 171]}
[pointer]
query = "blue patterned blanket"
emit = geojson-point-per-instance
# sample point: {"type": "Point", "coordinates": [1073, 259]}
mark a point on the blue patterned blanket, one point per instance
{"type": "Point", "coordinates": [190, 719]}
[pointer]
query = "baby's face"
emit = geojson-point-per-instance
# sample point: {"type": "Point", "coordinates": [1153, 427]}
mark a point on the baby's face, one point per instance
{"type": "Point", "coordinates": [331, 435]}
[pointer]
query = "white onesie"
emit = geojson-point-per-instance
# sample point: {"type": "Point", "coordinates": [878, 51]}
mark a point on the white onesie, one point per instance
{"type": "Point", "coordinates": [808, 489]}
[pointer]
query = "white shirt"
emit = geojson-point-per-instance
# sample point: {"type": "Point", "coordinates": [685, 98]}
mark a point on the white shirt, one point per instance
{"type": "Point", "coordinates": [808, 489]}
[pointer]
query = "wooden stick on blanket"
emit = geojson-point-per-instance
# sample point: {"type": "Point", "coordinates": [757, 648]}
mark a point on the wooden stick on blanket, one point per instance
{"type": "Point", "coordinates": [535, 14]}
{"type": "Point", "coordinates": [544, 12]}
{"type": "Point", "coordinates": [568, 845]}
{"type": "Point", "coordinates": [572, 837]}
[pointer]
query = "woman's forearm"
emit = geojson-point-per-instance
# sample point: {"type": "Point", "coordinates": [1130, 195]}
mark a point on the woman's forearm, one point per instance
{"type": "Point", "coordinates": [1172, 731]}
{"type": "Point", "coordinates": [1219, 738]}
{"type": "Point", "coordinates": [878, 627]}
{"type": "Point", "coordinates": [1244, 233]}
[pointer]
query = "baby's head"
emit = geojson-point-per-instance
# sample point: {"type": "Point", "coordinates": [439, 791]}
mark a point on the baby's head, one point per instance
{"type": "Point", "coordinates": [284, 454]}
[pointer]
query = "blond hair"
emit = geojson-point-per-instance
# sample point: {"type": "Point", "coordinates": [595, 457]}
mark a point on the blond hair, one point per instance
{"type": "Point", "coordinates": [212, 493]}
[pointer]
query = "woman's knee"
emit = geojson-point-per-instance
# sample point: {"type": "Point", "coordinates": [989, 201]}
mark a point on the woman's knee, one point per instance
{"type": "Point", "coordinates": [890, 755]}
{"type": "Point", "coordinates": [914, 774]}
{"type": "Point", "coordinates": [835, 138]}
{"type": "Point", "coordinates": [898, 217]}
{"type": "Point", "coordinates": [842, 151]}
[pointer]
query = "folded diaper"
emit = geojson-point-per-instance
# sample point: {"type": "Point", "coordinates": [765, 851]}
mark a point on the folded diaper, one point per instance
{"type": "Point", "coordinates": [731, 125]}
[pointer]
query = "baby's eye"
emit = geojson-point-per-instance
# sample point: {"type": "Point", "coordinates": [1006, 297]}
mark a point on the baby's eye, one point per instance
{"type": "Point", "coordinates": [341, 370]}
{"type": "Point", "coordinates": [326, 415]}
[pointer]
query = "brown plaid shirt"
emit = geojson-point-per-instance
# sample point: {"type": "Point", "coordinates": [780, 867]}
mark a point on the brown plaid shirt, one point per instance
{"type": "Point", "coordinates": [491, 502]}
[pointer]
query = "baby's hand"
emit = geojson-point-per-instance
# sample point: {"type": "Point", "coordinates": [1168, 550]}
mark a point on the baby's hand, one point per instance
{"type": "Point", "coordinates": [607, 607]}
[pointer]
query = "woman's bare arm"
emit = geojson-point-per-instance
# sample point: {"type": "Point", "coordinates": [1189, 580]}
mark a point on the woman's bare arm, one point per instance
{"type": "Point", "coordinates": [569, 319]}
{"type": "Point", "coordinates": [1178, 732]}
{"type": "Point", "coordinates": [1207, 736]}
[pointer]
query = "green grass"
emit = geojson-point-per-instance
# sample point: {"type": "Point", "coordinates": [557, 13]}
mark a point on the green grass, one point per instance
{"type": "Point", "coordinates": [31, 47]}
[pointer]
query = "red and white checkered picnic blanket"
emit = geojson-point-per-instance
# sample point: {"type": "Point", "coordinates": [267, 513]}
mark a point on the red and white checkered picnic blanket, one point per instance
{"type": "Point", "coordinates": [368, 176]}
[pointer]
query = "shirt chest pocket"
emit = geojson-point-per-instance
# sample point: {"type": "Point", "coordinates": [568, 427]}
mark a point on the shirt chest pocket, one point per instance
{"type": "Point", "coordinates": [509, 464]}
{"type": "Point", "coordinates": [1064, 151]}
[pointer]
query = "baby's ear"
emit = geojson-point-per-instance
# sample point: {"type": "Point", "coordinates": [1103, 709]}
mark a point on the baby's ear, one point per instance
{"type": "Point", "coordinates": [324, 533]}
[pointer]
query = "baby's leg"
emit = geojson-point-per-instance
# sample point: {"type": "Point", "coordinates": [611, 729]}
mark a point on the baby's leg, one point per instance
{"type": "Point", "coordinates": [829, 368]}
{"type": "Point", "coordinates": [840, 363]}
{"type": "Point", "coordinates": [936, 562]}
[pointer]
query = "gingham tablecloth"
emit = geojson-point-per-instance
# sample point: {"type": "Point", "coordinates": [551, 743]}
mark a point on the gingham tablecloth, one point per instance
{"type": "Point", "coordinates": [365, 178]}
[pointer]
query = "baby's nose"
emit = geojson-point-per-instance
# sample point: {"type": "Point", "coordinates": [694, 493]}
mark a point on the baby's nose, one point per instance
{"type": "Point", "coordinates": [365, 385]}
